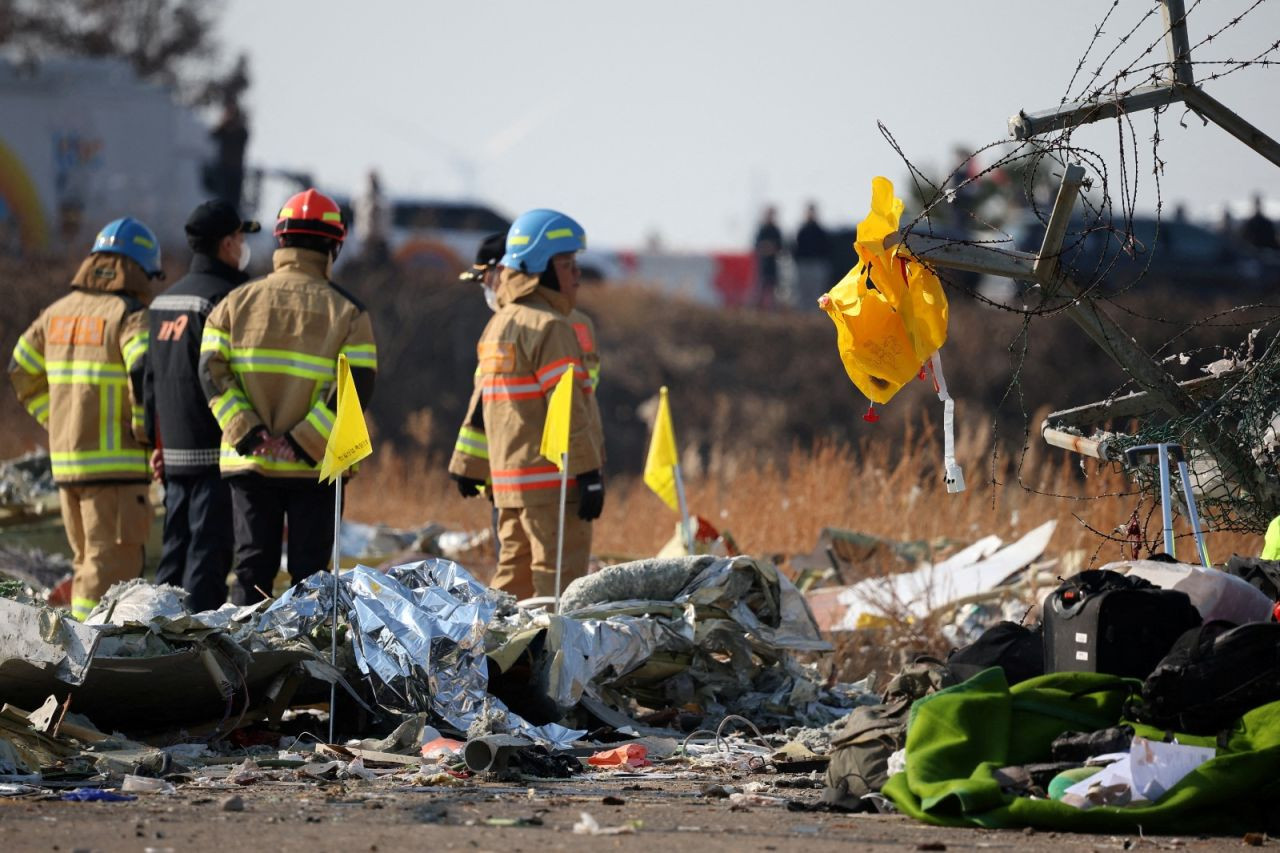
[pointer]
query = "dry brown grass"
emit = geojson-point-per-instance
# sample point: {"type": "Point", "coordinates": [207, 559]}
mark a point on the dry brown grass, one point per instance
{"type": "Point", "coordinates": [889, 487]}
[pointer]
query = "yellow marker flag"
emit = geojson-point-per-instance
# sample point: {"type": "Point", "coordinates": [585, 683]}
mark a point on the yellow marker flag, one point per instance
{"type": "Point", "coordinates": [349, 440]}
{"type": "Point", "coordinates": [659, 466]}
{"type": "Point", "coordinates": [555, 432]}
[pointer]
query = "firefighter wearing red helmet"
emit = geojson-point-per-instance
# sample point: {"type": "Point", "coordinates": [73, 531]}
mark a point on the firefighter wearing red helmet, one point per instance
{"type": "Point", "coordinates": [268, 362]}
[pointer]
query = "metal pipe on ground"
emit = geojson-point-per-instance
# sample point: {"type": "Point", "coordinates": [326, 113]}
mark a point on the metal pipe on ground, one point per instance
{"type": "Point", "coordinates": [490, 754]}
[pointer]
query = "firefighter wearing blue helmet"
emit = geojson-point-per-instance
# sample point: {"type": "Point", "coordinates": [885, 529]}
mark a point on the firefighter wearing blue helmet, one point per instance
{"type": "Point", "coordinates": [78, 369]}
{"type": "Point", "coordinates": [529, 343]}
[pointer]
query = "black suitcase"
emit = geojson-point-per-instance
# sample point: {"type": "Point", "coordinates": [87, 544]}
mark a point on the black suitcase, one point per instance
{"type": "Point", "coordinates": [1107, 622]}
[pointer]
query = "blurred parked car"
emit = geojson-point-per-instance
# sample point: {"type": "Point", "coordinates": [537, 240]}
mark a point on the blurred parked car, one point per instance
{"type": "Point", "coordinates": [1154, 253]}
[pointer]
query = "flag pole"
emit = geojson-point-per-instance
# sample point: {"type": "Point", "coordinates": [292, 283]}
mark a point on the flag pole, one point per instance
{"type": "Point", "coordinates": [684, 510]}
{"type": "Point", "coordinates": [333, 635]}
{"type": "Point", "coordinates": [564, 490]}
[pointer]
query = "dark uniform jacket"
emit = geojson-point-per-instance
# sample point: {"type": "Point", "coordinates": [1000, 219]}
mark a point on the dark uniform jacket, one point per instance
{"type": "Point", "coordinates": [177, 410]}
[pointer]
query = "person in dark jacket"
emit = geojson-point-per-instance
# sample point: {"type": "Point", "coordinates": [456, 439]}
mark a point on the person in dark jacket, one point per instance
{"type": "Point", "coordinates": [811, 251]}
{"type": "Point", "coordinates": [197, 523]}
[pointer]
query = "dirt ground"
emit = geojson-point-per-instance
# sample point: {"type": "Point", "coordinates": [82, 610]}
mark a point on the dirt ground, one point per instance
{"type": "Point", "coordinates": [671, 815]}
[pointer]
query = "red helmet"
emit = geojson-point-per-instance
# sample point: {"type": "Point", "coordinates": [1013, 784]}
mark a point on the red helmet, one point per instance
{"type": "Point", "coordinates": [311, 212]}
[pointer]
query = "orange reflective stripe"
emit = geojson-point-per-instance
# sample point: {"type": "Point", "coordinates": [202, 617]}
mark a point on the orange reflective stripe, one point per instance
{"type": "Point", "coordinates": [524, 479]}
{"type": "Point", "coordinates": [549, 375]}
{"type": "Point", "coordinates": [511, 388]}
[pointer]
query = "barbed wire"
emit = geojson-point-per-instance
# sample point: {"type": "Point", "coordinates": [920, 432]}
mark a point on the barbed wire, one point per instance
{"type": "Point", "coordinates": [1110, 249]}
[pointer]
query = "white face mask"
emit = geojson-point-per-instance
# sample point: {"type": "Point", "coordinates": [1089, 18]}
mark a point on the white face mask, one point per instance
{"type": "Point", "coordinates": [491, 298]}
{"type": "Point", "coordinates": [245, 254]}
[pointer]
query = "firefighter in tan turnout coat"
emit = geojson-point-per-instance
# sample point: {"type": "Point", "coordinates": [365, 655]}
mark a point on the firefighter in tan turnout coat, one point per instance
{"type": "Point", "coordinates": [268, 362]}
{"type": "Point", "coordinates": [526, 347]}
{"type": "Point", "coordinates": [78, 369]}
{"type": "Point", "coordinates": [469, 465]}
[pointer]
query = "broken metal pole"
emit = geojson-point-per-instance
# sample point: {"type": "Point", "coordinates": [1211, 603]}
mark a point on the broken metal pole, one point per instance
{"type": "Point", "coordinates": [1046, 263]}
{"type": "Point", "coordinates": [1221, 115]}
{"type": "Point", "coordinates": [1177, 42]}
{"type": "Point", "coordinates": [1027, 125]}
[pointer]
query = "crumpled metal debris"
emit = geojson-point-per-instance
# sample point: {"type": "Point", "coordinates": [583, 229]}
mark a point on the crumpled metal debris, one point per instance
{"type": "Point", "coordinates": [718, 631]}
{"type": "Point", "coordinates": [419, 630]}
{"type": "Point", "coordinates": [26, 480]}
{"type": "Point", "coordinates": [37, 640]}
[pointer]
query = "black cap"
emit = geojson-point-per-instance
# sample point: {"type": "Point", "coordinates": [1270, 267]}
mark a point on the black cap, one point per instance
{"type": "Point", "coordinates": [490, 253]}
{"type": "Point", "coordinates": [216, 219]}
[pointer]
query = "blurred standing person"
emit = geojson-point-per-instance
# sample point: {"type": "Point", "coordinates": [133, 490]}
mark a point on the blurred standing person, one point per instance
{"type": "Point", "coordinates": [768, 248]}
{"type": "Point", "coordinates": [230, 139]}
{"type": "Point", "coordinates": [197, 501]}
{"type": "Point", "coordinates": [373, 221]}
{"type": "Point", "coordinates": [268, 365]}
{"type": "Point", "coordinates": [78, 369]}
{"type": "Point", "coordinates": [528, 344]}
{"type": "Point", "coordinates": [1259, 231]}
{"type": "Point", "coordinates": [812, 255]}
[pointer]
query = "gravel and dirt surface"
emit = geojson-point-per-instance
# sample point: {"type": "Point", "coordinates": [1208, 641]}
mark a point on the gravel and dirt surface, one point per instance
{"type": "Point", "coordinates": [663, 815]}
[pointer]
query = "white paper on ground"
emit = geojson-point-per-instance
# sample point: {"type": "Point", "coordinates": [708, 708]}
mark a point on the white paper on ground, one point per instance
{"type": "Point", "coordinates": [1150, 769]}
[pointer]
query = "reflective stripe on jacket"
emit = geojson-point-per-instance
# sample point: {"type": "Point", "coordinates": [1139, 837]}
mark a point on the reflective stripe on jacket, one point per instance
{"type": "Point", "coordinates": [526, 347]}
{"type": "Point", "coordinates": [471, 450]}
{"type": "Point", "coordinates": [78, 370]}
{"type": "Point", "coordinates": [269, 355]}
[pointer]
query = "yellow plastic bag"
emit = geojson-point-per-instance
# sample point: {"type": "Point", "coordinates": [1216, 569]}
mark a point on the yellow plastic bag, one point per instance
{"type": "Point", "coordinates": [890, 311]}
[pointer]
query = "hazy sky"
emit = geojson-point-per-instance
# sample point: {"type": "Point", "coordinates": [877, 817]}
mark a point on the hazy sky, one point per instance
{"type": "Point", "coordinates": [685, 118]}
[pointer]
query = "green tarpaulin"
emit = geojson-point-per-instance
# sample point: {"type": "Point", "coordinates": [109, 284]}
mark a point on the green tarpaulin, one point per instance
{"type": "Point", "coordinates": [958, 736]}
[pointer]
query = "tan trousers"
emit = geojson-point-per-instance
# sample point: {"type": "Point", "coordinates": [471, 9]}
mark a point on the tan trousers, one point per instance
{"type": "Point", "coordinates": [107, 527]}
{"type": "Point", "coordinates": [527, 560]}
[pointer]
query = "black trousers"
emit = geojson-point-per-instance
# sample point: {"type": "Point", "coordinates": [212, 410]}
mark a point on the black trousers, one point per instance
{"type": "Point", "coordinates": [263, 507]}
{"type": "Point", "coordinates": [197, 538]}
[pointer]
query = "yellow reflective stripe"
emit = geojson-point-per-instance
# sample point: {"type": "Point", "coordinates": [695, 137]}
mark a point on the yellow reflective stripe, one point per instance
{"type": "Point", "coordinates": [472, 442]}
{"type": "Point", "coordinates": [82, 607]}
{"type": "Point", "coordinates": [595, 376]}
{"type": "Point", "coordinates": [38, 406]}
{"type": "Point", "coordinates": [285, 213]}
{"type": "Point", "coordinates": [215, 340]}
{"type": "Point", "coordinates": [322, 419]}
{"type": "Point", "coordinates": [331, 216]}
{"type": "Point", "coordinates": [227, 405]}
{"type": "Point", "coordinates": [135, 348]}
{"type": "Point", "coordinates": [229, 459]}
{"type": "Point", "coordinates": [518, 240]}
{"type": "Point", "coordinates": [92, 372]}
{"type": "Point", "coordinates": [559, 233]}
{"type": "Point", "coordinates": [98, 462]}
{"type": "Point", "coordinates": [28, 356]}
{"type": "Point", "coordinates": [106, 403]}
{"type": "Point", "coordinates": [266, 360]}
{"type": "Point", "coordinates": [362, 355]}
{"type": "Point", "coordinates": [143, 241]}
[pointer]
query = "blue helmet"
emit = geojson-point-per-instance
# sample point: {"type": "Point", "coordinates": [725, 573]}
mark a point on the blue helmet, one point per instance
{"type": "Point", "coordinates": [539, 234]}
{"type": "Point", "coordinates": [135, 241]}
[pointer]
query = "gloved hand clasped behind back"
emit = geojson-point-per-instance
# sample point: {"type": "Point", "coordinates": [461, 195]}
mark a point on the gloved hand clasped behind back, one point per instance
{"type": "Point", "coordinates": [590, 495]}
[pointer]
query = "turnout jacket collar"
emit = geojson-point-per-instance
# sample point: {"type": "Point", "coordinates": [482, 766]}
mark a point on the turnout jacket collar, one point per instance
{"type": "Point", "coordinates": [105, 272]}
{"type": "Point", "coordinates": [306, 261]}
{"type": "Point", "coordinates": [516, 286]}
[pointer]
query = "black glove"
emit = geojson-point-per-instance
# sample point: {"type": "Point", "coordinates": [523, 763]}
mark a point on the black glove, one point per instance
{"type": "Point", "coordinates": [252, 440]}
{"type": "Point", "coordinates": [590, 495]}
{"type": "Point", "coordinates": [467, 487]}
